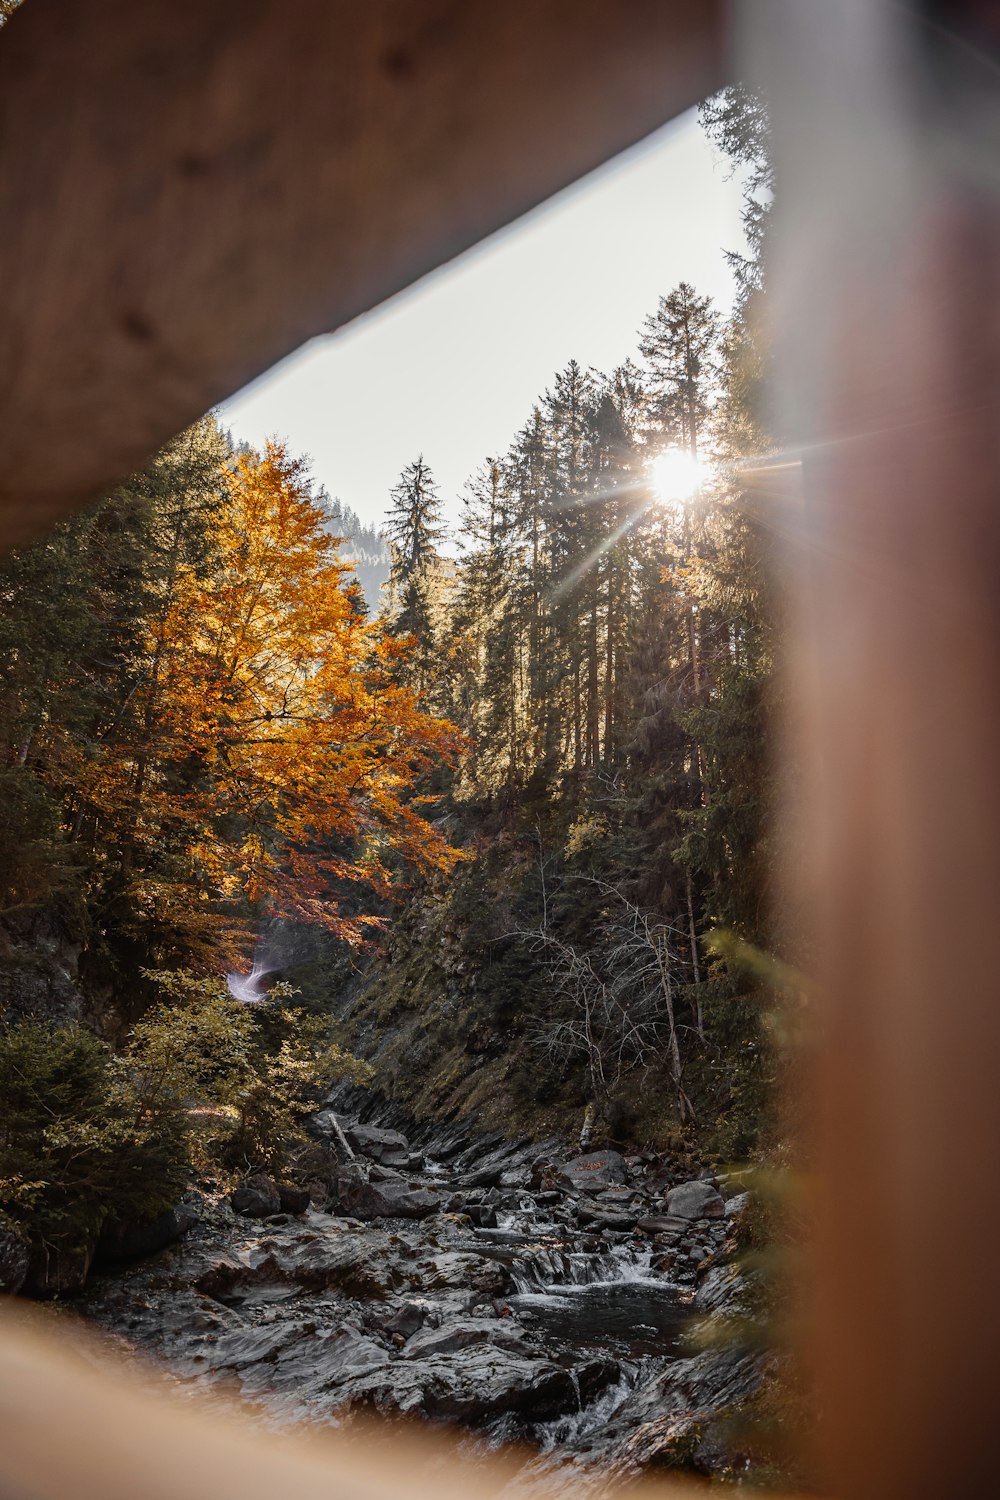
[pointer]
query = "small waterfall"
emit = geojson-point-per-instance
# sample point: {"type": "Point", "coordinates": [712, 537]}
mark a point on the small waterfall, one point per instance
{"type": "Point", "coordinates": [541, 1268]}
{"type": "Point", "coordinates": [250, 988]}
{"type": "Point", "coordinates": [565, 1431]}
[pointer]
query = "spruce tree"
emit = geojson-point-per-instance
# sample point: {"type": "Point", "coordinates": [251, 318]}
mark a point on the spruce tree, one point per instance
{"type": "Point", "coordinates": [679, 343]}
{"type": "Point", "coordinates": [413, 526]}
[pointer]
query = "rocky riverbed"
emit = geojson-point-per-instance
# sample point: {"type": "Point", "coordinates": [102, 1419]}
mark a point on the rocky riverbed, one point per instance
{"type": "Point", "coordinates": [506, 1286]}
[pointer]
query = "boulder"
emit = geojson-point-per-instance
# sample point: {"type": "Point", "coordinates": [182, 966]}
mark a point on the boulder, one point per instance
{"type": "Point", "coordinates": [294, 1358]}
{"type": "Point", "coordinates": [294, 1200]}
{"type": "Point", "coordinates": [137, 1237]}
{"type": "Point", "coordinates": [385, 1200]}
{"type": "Point", "coordinates": [14, 1262]}
{"type": "Point", "coordinates": [460, 1333]}
{"type": "Point", "coordinates": [670, 1225]}
{"type": "Point", "coordinates": [463, 1270]}
{"type": "Point", "coordinates": [256, 1198]}
{"type": "Point", "coordinates": [311, 1256]}
{"type": "Point", "coordinates": [385, 1146]}
{"type": "Point", "coordinates": [720, 1289]}
{"type": "Point", "coordinates": [596, 1216]}
{"type": "Point", "coordinates": [406, 1319]}
{"type": "Point", "coordinates": [472, 1385]}
{"type": "Point", "coordinates": [695, 1200]}
{"type": "Point", "coordinates": [598, 1169]}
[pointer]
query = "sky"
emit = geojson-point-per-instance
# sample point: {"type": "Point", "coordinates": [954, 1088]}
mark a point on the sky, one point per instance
{"type": "Point", "coordinates": [451, 367]}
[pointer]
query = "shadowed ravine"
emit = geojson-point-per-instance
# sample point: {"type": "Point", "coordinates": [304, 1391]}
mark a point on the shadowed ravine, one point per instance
{"type": "Point", "coordinates": [511, 1288]}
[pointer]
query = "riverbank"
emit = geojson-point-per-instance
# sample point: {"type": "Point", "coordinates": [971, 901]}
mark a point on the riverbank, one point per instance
{"type": "Point", "coordinates": [510, 1287]}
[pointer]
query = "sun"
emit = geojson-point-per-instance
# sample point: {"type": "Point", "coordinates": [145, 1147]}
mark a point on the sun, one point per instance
{"type": "Point", "coordinates": [675, 475]}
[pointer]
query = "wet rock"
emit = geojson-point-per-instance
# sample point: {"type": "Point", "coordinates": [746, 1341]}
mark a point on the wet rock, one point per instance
{"type": "Point", "coordinates": [594, 1376]}
{"type": "Point", "coordinates": [131, 1240]}
{"type": "Point", "coordinates": [663, 1422]}
{"type": "Point", "coordinates": [695, 1200]}
{"type": "Point", "coordinates": [482, 1215]}
{"type": "Point", "coordinates": [598, 1169]}
{"type": "Point", "coordinates": [297, 1359]}
{"type": "Point", "coordinates": [460, 1269]}
{"type": "Point", "coordinates": [14, 1262]}
{"type": "Point", "coordinates": [598, 1217]}
{"type": "Point", "coordinates": [256, 1198]}
{"type": "Point", "coordinates": [720, 1289]}
{"type": "Point", "coordinates": [294, 1200]}
{"type": "Point", "coordinates": [378, 1173]}
{"type": "Point", "coordinates": [385, 1200]}
{"type": "Point", "coordinates": [460, 1333]}
{"type": "Point", "coordinates": [360, 1264]}
{"type": "Point", "coordinates": [407, 1319]}
{"type": "Point", "coordinates": [669, 1225]}
{"type": "Point", "coordinates": [473, 1386]}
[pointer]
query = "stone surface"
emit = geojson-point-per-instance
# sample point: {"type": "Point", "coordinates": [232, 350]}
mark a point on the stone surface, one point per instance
{"type": "Point", "coordinates": [432, 1314]}
{"type": "Point", "coordinates": [384, 1200]}
{"type": "Point", "coordinates": [294, 1200]}
{"type": "Point", "coordinates": [257, 1197]}
{"type": "Point", "coordinates": [473, 1385]}
{"type": "Point", "coordinates": [667, 1224]}
{"type": "Point", "coordinates": [386, 1146]}
{"type": "Point", "coordinates": [460, 1333]}
{"type": "Point", "coordinates": [598, 1169]}
{"type": "Point", "coordinates": [695, 1200]}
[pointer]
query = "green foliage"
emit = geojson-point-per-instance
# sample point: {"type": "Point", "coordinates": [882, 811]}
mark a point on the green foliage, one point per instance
{"type": "Point", "coordinates": [79, 1144]}
{"type": "Point", "coordinates": [87, 1136]}
{"type": "Point", "coordinates": [256, 1071]}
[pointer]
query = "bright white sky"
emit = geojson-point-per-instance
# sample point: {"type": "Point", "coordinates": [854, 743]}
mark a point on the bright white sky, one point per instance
{"type": "Point", "coordinates": [451, 367]}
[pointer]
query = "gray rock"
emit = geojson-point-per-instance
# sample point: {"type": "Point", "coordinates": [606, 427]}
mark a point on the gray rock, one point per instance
{"type": "Point", "coordinates": [256, 1198]}
{"type": "Point", "coordinates": [294, 1358]}
{"type": "Point", "coordinates": [313, 1255]}
{"type": "Point", "coordinates": [695, 1200]}
{"type": "Point", "coordinates": [671, 1225]}
{"type": "Point", "coordinates": [473, 1385]}
{"type": "Point", "coordinates": [386, 1146]}
{"type": "Point", "coordinates": [407, 1319]}
{"type": "Point", "coordinates": [598, 1169]}
{"type": "Point", "coordinates": [385, 1200]}
{"type": "Point", "coordinates": [736, 1205]}
{"type": "Point", "coordinates": [482, 1215]}
{"type": "Point", "coordinates": [719, 1290]}
{"type": "Point", "coordinates": [460, 1269]}
{"type": "Point", "coordinates": [460, 1333]}
{"type": "Point", "coordinates": [294, 1200]}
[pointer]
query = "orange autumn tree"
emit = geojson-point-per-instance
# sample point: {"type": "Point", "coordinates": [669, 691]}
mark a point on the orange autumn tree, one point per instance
{"type": "Point", "coordinates": [282, 755]}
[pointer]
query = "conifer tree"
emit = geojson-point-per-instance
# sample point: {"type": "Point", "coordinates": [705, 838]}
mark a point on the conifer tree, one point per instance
{"type": "Point", "coordinates": [413, 525]}
{"type": "Point", "coordinates": [679, 344]}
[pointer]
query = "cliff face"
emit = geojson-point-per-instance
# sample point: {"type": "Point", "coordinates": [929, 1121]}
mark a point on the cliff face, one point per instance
{"type": "Point", "coordinates": [40, 967]}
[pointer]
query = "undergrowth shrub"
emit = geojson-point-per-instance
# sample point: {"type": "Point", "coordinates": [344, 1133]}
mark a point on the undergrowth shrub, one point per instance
{"type": "Point", "coordinates": [78, 1146]}
{"type": "Point", "coordinates": [88, 1136]}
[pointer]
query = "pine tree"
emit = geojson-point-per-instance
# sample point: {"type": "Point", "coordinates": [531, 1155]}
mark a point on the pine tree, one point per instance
{"type": "Point", "coordinates": [413, 525]}
{"type": "Point", "coordinates": [679, 343]}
